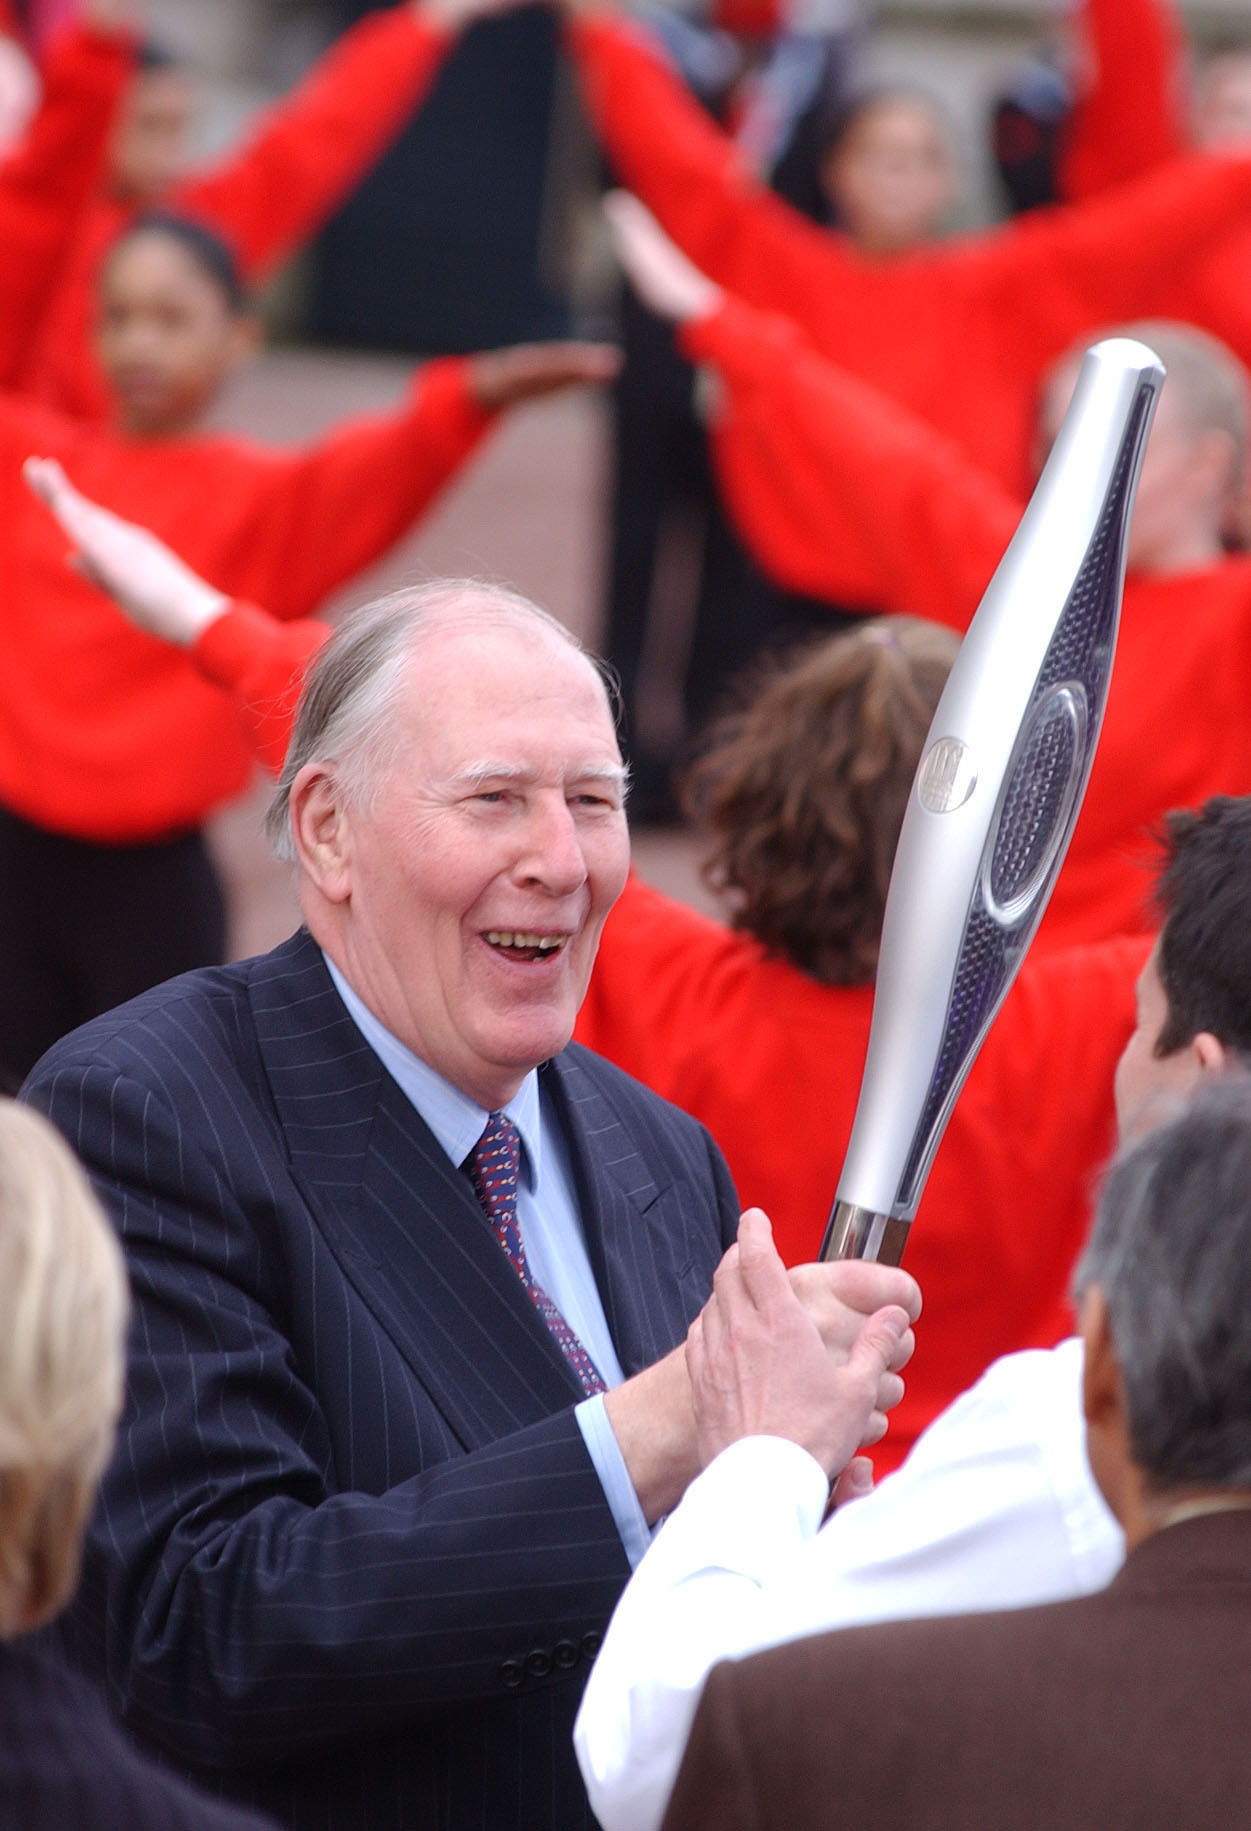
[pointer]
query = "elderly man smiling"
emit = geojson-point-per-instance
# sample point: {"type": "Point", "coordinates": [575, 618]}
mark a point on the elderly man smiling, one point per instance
{"type": "Point", "coordinates": [411, 1275]}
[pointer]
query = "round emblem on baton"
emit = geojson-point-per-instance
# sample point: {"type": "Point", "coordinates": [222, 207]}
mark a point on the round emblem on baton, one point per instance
{"type": "Point", "coordinates": [947, 776]}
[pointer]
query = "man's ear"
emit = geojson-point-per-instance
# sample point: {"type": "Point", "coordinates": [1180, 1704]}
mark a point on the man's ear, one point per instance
{"type": "Point", "coordinates": [1102, 1396]}
{"type": "Point", "coordinates": [322, 831]}
{"type": "Point", "coordinates": [1210, 1053]}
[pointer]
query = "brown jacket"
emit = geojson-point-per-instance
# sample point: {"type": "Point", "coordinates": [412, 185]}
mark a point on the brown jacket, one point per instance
{"type": "Point", "coordinates": [1130, 1708]}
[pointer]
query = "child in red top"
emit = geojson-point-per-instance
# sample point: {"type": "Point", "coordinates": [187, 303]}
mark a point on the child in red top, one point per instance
{"type": "Point", "coordinates": [959, 331]}
{"type": "Point", "coordinates": [265, 198]}
{"type": "Point", "coordinates": [760, 1030]}
{"type": "Point", "coordinates": [108, 740]}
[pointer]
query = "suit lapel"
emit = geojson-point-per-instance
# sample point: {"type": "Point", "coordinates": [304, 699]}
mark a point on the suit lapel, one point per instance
{"type": "Point", "coordinates": [637, 1231]}
{"type": "Point", "coordinates": [401, 1220]}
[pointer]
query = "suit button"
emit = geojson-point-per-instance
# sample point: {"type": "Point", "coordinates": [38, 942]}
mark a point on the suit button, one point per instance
{"type": "Point", "coordinates": [539, 1663]}
{"type": "Point", "coordinates": [512, 1673]}
{"type": "Point", "coordinates": [565, 1655]}
{"type": "Point", "coordinates": [591, 1644]}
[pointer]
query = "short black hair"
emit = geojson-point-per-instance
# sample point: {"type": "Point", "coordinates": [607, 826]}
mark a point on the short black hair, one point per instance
{"type": "Point", "coordinates": [213, 255]}
{"type": "Point", "coordinates": [1203, 893]}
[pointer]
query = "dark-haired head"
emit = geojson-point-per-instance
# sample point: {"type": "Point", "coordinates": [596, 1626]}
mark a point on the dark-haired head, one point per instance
{"type": "Point", "coordinates": [804, 791]}
{"type": "Point", "coordinates": [1204, 897]}
{"type": "Point", "coordinates": [172, 323]}
{"type": "Point", "coordinates": [209, 252]}
{"type": "Point", "coordinates": [889, 168]}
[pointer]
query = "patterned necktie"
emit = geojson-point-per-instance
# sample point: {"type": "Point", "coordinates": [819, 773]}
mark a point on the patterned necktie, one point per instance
{"type": "Point", "coordinates": [493, 1165]}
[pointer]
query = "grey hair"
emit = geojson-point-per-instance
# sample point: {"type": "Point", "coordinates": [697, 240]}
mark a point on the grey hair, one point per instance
{"type": "Point", "coordinates": [1206, 381]}
{"type": "Point", "coordinates": [348, 705]}
{"type": "Point", "coordinates": [1171, 1253]}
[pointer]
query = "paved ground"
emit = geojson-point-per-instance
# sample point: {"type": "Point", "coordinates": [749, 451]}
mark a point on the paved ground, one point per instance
{"type": "Point", "coordinates": [528, 513]}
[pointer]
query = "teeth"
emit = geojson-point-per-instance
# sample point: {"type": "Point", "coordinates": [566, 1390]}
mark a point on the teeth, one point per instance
{"type": "Point", "coordinates": [503, 937]}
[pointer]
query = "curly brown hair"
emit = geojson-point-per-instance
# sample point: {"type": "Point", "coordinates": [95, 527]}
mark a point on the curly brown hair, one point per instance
{"type": "Point", "coordinates": [803, 791]}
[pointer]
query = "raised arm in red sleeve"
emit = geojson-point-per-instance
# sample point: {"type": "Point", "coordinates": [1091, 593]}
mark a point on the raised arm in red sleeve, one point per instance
{"type": "Point", "coordinates": [330, 510]}
{"type": "Point", "coordinates": [1129, 111]}
{"type": "Point", "coordinates": [276, 189]}
{"type": "Point", "coordinates": [958, 331]}
{"type": "Point", "coordinates": [839, 492]}
{"type": "Point", "coordinates": [48, 183]}
{"type": "Point", "coordinates": [260, 664]}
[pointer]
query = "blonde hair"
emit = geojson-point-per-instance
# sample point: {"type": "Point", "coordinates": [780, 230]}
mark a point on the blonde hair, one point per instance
{"type": "Point", "coordinates": [63, 1309]}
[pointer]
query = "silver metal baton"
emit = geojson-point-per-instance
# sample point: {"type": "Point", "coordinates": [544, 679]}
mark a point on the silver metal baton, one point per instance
{"type": "Point", "coordinates": [995, 797]}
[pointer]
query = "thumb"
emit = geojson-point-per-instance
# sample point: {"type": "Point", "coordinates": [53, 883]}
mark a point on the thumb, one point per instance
{"type": "Point", "coordinates": [877, 1343]}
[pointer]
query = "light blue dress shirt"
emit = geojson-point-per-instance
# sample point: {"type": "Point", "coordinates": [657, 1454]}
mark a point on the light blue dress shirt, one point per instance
{"type": "Point", "coordinates": [551, 1232]}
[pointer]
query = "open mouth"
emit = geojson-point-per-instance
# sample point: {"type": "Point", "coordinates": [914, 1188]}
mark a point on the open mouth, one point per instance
{"type": "Point", "coordinates": [519, 945]}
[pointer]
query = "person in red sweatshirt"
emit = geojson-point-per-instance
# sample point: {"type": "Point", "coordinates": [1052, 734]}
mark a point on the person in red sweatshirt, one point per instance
{"type": "Point", "coordinates": [760, 1029]}
{"type": "Point", "coordinates": [267, 197]}
{"type": "Point", "coordinates": [825, 475]}
{"type": "Point", "coordinates": [112, 751]}
{"type": "Point", "coordinates": [50, 173]}
{"type": "Point", "coordinates": [958, 331]}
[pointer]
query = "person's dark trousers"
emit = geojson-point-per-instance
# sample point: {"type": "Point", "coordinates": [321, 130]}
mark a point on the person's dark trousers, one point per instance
{"type": "Point", "coordinates": [83, 927]}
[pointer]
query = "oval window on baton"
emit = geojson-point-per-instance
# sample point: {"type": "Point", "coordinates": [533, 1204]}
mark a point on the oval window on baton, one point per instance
{"type": "Point", "coordinates": [996, 797]}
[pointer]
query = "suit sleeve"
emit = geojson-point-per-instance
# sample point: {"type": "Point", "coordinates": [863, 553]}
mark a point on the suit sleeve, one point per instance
{"type": "Point", "coordinates": [1129, 112]}
{"type": "Point", "coordinates": [260, 663]}
{"type": "Point", "coordinates": [335, 507]}
{"type": "Point", "coordinates": [46, 185]}
{"type": "Point", "coordinates": [274, 192]}
{"type": "Point", "coordinates": [243, 1605]}
{"type": "Point", "coordinates": [839, 492]}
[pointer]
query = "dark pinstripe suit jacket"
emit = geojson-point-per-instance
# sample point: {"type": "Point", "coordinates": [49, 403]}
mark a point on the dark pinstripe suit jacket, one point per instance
{"type": "Point", "coordinates": [352, 1556]}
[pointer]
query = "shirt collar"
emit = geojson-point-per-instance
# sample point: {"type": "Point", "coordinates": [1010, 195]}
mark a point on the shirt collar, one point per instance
{"type": "Point", "coordinates": [456, 1121]}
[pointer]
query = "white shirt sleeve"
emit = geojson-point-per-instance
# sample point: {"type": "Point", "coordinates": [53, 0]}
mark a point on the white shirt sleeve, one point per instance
{"type": "Point", "coordinates": [994, 1508]}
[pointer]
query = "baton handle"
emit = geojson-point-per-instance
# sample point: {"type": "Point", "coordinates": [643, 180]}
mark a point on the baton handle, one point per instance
{"type": "Point", "coordinates": [860, 1233]}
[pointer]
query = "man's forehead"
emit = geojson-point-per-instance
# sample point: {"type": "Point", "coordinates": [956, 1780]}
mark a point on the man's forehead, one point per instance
{"type": "Point", "coordinates": [506, 699]}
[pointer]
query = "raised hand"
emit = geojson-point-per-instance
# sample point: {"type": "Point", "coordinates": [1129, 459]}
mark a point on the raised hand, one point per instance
{"type": "Point", "coordinates": [759, 1364]}
{"type": "Point", "coordinates": [526, 371]}
{"type": "Point", "coordinates": [139, 572]}
{"type": "Point", "coordinates": [657, 269]}
{"type": "Point", "coordinates": [19, 93]}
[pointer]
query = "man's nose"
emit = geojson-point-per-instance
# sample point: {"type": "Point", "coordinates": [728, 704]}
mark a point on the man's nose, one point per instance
{"type": "Point", "coordinates": [551, 853]}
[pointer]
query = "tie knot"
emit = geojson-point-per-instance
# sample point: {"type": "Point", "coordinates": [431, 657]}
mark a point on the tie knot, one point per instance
{"type": "Point", "coordinates": [493, 1165]}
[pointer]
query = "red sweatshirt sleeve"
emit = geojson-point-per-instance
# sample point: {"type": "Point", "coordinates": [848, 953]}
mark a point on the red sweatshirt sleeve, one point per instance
{"type": "Point", "coordinates": [1056, 273]}
{"type": "Point", "coordinates": [311, 150]}
{"type": "Point", "coordinates": [261, 664]}
{"type": "Point", "coordinates": [840, 492]}
{"type": "Point", "coordinates": [1129, 114]}
{"type": "Point", "coordinates": [692, 176]}
{"type": "Point", "coordinates": [335, 507]}
{"type": "Point", "coordinates": [46, 185]}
